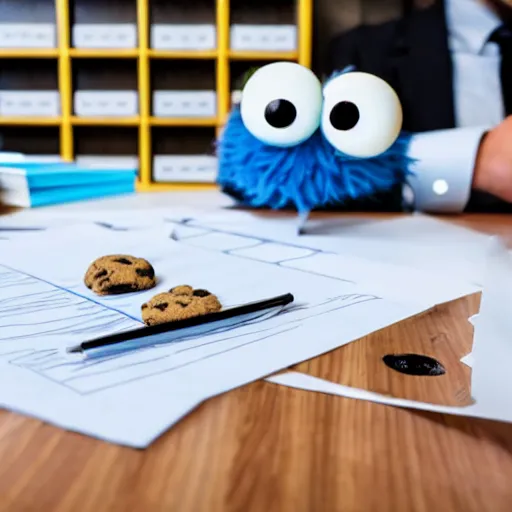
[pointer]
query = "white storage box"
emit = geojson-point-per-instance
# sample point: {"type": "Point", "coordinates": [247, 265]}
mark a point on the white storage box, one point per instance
{"type": "Point", "coordinates": [184, 103]}
{"type": "Point", "coordinates": [107, 161]}
{"type": "Point", "coordinates": [27, 35]}
{"type": "Point", "coordinates": [101, 35]}
{"type": "Point", "coordinates": [106, 103]}
{"type": "Point", "coordinates": [30, 103]}
{"type": "Point", "coordinates": [185, 168]}
{"type": "Point", "coordinates": [183, 37]}
{"type": "Point", "coordinates": [264, 37]}
{"type": "Point", "coordinates": [46, 159]}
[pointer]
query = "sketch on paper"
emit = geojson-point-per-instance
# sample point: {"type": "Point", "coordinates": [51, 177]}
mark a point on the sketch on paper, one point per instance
{"type": "Point", "coordinates": [151, 389]}
{"type": "Point", "coordinates": [58, 312]}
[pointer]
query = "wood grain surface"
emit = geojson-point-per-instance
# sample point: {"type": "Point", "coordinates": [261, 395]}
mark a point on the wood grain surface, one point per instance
{"type": "Point", "coordinates": [265, 447]}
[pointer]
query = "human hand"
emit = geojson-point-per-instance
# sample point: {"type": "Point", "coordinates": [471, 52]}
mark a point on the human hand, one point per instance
{"type": "Point", "coordinates": [493, 167]}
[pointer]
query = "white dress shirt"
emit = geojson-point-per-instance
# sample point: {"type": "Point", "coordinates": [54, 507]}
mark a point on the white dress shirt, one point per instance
{"type": "Point", "coordinates": [443, 172]}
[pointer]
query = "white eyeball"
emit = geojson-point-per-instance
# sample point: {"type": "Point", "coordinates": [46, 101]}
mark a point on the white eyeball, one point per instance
{"type": "Point", "coordinates": [281, 104]}
{"type": "Point", "coordinates": [362, 115]}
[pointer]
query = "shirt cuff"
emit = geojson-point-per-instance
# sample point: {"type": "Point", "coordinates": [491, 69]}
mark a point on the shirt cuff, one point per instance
{"type": "Point", "coordinates": [442, 170]}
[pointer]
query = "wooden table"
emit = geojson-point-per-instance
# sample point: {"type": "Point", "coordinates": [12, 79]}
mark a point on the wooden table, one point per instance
{"type": "Point", "coordinates": [269, 448]}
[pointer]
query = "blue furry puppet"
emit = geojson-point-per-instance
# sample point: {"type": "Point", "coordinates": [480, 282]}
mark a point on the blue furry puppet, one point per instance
{"type": "Point", "coordinates": [293, 143]}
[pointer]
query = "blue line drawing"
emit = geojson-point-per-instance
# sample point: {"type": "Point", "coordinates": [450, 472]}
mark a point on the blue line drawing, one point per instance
{"type": "Point", "coordinates": [90, 316]}
{"type": "Point", "coordinates": [79, 379]}
{"type": "Point", "coordinates": [258, 242]}
{"type": "Point", "coordinates": [68, 290]}
{"type": "Point", "coordinates": [85, 315]}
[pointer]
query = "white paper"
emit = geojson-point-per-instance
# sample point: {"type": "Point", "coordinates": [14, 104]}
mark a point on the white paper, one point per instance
{"type": "Point", "coordinates": [472, 319]}
{"type": "Point", "coordinates": [416, 241]}
{"type": "Point", "coordinates": [491, 382]}
{"type": "Point", "coordinates": [132, 398]}
{"type": "Point", "coordinates": [127, 211]}
{"type": "Point", "coordinates": [468, 360]}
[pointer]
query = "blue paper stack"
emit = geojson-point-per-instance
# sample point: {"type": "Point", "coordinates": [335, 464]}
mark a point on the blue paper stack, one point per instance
{"type": "Point", "coordinates": [30, 183]}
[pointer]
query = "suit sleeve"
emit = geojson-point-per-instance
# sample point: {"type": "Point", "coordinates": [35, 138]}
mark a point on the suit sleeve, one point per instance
{"type": "Point", "coordinates": [442, 172]}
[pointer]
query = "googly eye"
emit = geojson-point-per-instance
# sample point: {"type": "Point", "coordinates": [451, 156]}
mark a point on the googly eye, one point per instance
{"type": "Point", "coordinates": [361, 115]}
{"type": "Point", "coordinates": [281, 104]}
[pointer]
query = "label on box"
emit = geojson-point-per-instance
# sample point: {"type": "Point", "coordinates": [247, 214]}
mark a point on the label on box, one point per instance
{"type": "Point", "coordinates": [106, 103]}
{"type": "Point", "coordinates": [264, 37]}
{"type": "Point", "coordinates": [183, 37]}
{"type": "Point", "coordinates": [27, 35]}
{"type": "Point", "coordinates": [102, 35]}
{"type": "Point", "coordinates": [184, 103]}
{"type": "Point", "coordinates": [185, 168]}
{"type": "Point", "coordinates": [30, 103]}
{"type": "Point", "coordinates": [113, 162]}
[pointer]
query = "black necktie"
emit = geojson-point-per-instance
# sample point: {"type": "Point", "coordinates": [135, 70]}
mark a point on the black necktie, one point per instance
{"type": "Point", "coordinates": [503, 37]}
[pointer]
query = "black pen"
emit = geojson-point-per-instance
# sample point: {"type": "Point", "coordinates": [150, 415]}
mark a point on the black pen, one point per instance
{"type": "Point", "coordinates": [180, 330]}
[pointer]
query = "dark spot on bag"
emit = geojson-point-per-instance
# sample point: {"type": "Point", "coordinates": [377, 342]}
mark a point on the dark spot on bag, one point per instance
{"type": "Point", "coordinates": [414, 364]}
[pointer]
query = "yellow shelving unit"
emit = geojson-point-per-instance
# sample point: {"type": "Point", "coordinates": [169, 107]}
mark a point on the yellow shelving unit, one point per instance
{"type": "Point", "coordinates": [143, 54]}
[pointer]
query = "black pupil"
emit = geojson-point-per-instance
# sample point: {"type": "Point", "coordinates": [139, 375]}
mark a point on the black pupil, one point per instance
{"type": "Point", "coordinates": [280, 113]}
{"type": "Point", "coordinates": [344, 115]}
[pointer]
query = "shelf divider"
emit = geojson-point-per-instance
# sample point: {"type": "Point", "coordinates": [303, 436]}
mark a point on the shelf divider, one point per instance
{"type": "Point", "coordinates": [182, 54]}
{"type": "Point", "coordinates": [256, 55]}
{"type": "Point", "coordinates": [30, 121]}
{"type": "Point", "coordinates": [29, 53]}
{"type": "Point", "coordinates": [105, 121]}
{"type": "Point", "coordinates": [183, 121]}
{"type": "Point", "coordinates": [97, 53]}
{"type": "Point", "coordinates": [145, 153]}
{"type": "Point", "coordinates": [222, 69]}
{"type": "Point", "coordinates": [305, 31]}
{"type": "Point", "coordinates": [65, 79]}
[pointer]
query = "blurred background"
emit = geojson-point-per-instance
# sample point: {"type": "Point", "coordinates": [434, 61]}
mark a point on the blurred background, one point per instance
{"type": "Point", "coordinates": [147, 84]}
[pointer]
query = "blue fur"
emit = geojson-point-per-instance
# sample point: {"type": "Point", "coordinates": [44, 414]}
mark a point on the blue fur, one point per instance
{"type": "Point", "coordinates": [310, 175]}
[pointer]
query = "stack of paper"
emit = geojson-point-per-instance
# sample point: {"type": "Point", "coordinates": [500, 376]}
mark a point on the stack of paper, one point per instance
{"type": "Point", "coordinates": [28, 183]}
{"type": "Point", "coordinates": [132, 398]}
{"type": "Point", "coordinates": [349, 277]}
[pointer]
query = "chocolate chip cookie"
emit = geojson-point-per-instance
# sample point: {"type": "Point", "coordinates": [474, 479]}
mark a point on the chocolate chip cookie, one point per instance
{"type": "Point", "coordinates": [179, 303]}
{"type": "Point", "coordinates": [119, 273]}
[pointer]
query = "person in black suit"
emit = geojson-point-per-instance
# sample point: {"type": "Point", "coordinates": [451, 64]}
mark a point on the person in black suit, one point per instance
{"type": "Point", "coordinates": [451, 66]}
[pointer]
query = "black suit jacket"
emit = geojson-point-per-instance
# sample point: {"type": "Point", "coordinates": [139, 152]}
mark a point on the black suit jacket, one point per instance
{"type": "Point", "coordinates": [413, 56]}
